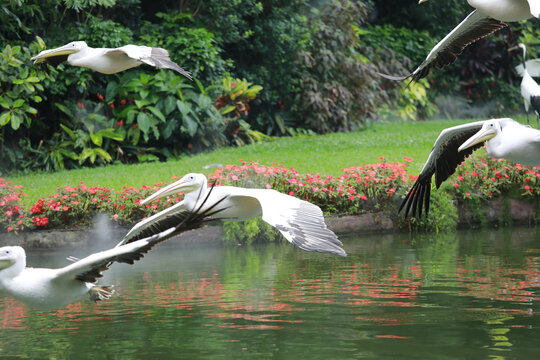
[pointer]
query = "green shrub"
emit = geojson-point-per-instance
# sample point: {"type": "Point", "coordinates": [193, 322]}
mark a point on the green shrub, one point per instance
{"type": "Point", "coordinates": [249, 232]}
{"type": "Point", "coordinates": [191, 46]}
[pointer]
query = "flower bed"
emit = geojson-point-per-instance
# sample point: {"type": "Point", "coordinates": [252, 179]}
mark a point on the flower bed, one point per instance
{"type": "Point", "coordinates": [367, 188]}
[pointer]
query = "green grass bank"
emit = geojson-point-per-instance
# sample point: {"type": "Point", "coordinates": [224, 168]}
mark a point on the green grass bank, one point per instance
{"type": "Point", "coordinates": [325, 154]}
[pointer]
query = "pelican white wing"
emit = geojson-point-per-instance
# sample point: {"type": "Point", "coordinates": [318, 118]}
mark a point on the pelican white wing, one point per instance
{"type": "Point", "coordinates": [442, 162]}
{"type": "Point", "coordinates": [157, 57]}
{"type": "Point", "coordinates": [300, 222]}
{"type": "Point", "coordinates": [534, 5]}
{"type": "Point", "coordinates": [90, 268]}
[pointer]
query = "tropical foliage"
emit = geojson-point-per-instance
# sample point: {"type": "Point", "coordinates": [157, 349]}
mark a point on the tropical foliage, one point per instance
{"type": "Point", "coordinates": [308, 66]}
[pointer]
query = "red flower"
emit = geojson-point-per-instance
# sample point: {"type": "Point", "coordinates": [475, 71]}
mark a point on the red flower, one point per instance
{"type": "Point", "coordinates": [100, 97]}
{"type": "Point", "coordinates": [81, 105]}
{"type": "Point", "coordinates": [120, 123]}
{"type": "Point", "coordinates": [123, 102]}
{"type": "Point", "coordinates": [37, 208]}
{"type": "Point", "coordinates": [111, 106]}
{"type": "Point", "coordinates": [41, 221]}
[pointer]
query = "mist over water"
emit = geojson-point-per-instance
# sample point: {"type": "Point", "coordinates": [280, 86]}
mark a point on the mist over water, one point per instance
{"type": "Point", "coordinates": [457, 107]}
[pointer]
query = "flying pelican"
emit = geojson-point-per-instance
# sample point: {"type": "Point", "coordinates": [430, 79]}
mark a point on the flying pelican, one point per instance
{"type": "Point", "coordinates": [504, 138]}
{"type": "Point", "coordinates": [488, 17]}
{"type": "Point", "coordinates": [109, 60]}
{"type": "Point", "coordinates": [530, 90]}
{"type": "Point", "coordinates": [48, 289]}
{"type": "Point", "coordinates": [300, 222]}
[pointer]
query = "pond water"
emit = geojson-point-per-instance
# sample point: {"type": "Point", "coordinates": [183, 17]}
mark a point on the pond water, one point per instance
{"type": "Point", "coordinates": [448, 296]}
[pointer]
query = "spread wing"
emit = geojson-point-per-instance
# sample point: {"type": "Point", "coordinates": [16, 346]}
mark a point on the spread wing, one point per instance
{"type": "Point", "coordinates": [132, 249]}
{"type": "Point", "coordinates": [169, 217]}
{"type": "Point", "coordinates": [299, 221]}
{"type": "Point", "coordinates": [471, 29]}
{"type": "Point", "coordinates": [157, 57]}
{"type": "Point", "coordinates": [534, 5]}
{"type": "Point", "coordinates": [442, 161]}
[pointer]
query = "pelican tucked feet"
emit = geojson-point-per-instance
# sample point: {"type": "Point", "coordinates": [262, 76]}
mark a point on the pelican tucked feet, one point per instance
{"type": "Point", "coordinates": [109, 60]}
{"type": "Point", "coordinates": [504, 138]}
{"type": "Point", "coordinates": [300, 222]}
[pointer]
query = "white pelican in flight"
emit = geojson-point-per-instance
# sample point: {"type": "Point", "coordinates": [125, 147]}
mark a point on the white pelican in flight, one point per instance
{"type": "Point", "coordinates": [488, 17]}
{"type": "Point", "coordinates": [109, 60]}
{"type": "Point", "coordinates": [504, 138]}
{"type": "Point", "coordinates": [300, 222]}
{"type": "Point", "coordinates": [48, 289]}
{"type": "Point", "coordinates": [530, 90]}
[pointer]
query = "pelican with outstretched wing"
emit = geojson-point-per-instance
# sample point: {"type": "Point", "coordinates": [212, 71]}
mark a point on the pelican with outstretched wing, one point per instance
{"type": "Point", "coordinates": [504, 138]}
{"type": "Point", "coordinates": [109, 60]}
{"type": "Point", "coordinates": [488, 17]}
{"type": "Point", "coordinates": [299, 221]}
{"type": "Point", "coordinates": [47, 289]}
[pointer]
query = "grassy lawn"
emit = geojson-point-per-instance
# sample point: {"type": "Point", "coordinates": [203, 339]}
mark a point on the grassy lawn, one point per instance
{"type": "Point", "coordinates": [326, 154]}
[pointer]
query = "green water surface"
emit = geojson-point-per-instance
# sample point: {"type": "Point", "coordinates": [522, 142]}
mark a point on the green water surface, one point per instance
{"type": "Point", "coordinates": [464, 295]}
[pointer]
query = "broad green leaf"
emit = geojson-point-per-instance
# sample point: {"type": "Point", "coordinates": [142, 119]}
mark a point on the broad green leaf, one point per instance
{"type": "Point", "coordinates": [169, 104]}
{"type": "Point", "coordinates": [185, 108]}
{"type": "Point", "coordinates": [125, 111]}
{"type": "Point", "coordinates": [18, 103]}
{"type": "Point", "coordinates": [5, 102]}
{"type": "Point", "coordinates": [157, 113]}
{"type": "Point", "coordinates": [227, 109]}
{"type": "Point", "coordinates": [103, 154]}
{"type": "Point", "coordinates": [111, 91]}
{"type": "Point", "coordinates": [190, 125]}
{"type": "Point", "coordinates": [96, 138]}
{"type": "Point", "coordinates": [142, 103]}
{"type": "Point", "coordinates": [144, 122]}
{"type": "Point", "coordinates": [111, 134]}
{"type": "Point", "coordinates": [5, 117]}
{"type": "Point", "coordinates": [64, 109]}
{"type": "Point", "coordinates": [15, 121]}
{"type": "Point", "coordinates": [68, 131]}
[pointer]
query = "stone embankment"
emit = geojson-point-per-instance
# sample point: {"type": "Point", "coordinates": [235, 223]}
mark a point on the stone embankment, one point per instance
{"type": "Point", "coordinates": [494, 213]}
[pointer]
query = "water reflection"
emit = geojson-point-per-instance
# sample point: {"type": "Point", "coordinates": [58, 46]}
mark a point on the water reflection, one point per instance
{"type": "Point", "coordinates": [465, 295]}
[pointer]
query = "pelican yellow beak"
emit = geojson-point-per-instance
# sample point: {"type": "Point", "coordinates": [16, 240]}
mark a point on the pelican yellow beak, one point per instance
{"type": "Point", "coordinates": [480, 136]}
{"type": "Point", "coordinates": [176, 187]}
{"type": "Point", "coordinates": [63, 50]}
{"type": "Point", "coordinates": [5, 262]}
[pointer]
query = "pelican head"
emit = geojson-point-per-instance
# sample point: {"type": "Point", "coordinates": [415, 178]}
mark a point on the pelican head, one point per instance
{"type": "Point", "coordinates": [12, 260]}
{"type": "Point", "coordinates": [489, 130]}
{"type": "Point", "coordinates": [187, 184]}
{"type": "Point", "coordinates": [68, 49]}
